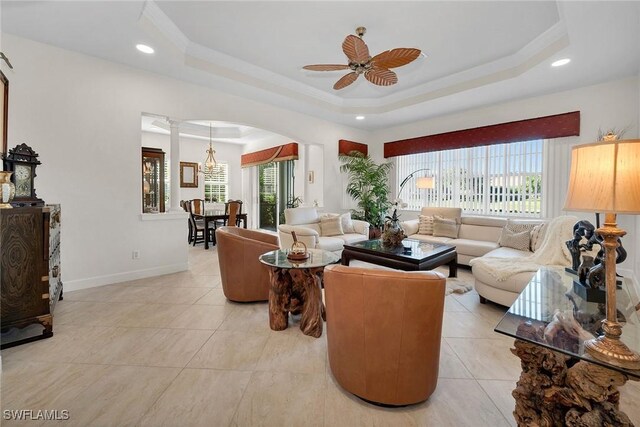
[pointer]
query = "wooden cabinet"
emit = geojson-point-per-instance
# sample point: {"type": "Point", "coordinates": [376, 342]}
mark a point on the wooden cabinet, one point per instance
{"type": "Point", "coordinates": [152, 180]}
{"type": "Point", "coordinates": [29, 251]}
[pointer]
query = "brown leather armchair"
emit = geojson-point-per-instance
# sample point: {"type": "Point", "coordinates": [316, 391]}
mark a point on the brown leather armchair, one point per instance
{"type": "Point", "coordinates": [244, 278]}
{"type": "Point", "coordinates": [383, 332]}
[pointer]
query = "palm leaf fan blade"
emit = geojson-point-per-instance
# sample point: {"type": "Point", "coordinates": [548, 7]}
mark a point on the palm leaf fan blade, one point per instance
{"type": "Point", "coordinates": [345, 81]}
{"type": "Point", "coordinates": [381, 77]}
{"type": "Point", "coordinates": [395, 57]}
{"type": "Point", "coordinates": [326, 67]}
{"type": "Point", "coordinates": [355, 49]}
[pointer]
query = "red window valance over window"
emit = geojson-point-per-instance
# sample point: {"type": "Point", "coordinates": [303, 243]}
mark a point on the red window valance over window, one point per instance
{"type": "Point", "coordinates": [274, 154]}
{"type": "Point", "coordinates": [345, 147]}
{"type": "Point", "coordinates": [556, 126]}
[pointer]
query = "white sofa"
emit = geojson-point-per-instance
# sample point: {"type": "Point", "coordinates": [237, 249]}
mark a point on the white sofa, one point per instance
{"type": "Point", "coordinates": [478, 236]}
{"type": "Point", "coordinates": [305, 221]}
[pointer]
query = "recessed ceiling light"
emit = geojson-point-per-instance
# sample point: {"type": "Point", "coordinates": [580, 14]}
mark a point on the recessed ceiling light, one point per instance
{"type": "Point", "coordinates": [359, 117]}
{"type": "Point", "coordinates": [145, 49]}
{"type": "Point", "coordinates": [560, 62]}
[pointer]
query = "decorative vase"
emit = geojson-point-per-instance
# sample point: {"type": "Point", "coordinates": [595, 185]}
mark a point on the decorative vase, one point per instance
{"type": "Point", "coordinates": [7, 190]}
{"type": "Point", "coordinates": [584, 267]}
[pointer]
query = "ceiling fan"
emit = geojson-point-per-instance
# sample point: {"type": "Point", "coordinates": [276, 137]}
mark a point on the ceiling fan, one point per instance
{"type": "Point", "coordinates": [375, 69]}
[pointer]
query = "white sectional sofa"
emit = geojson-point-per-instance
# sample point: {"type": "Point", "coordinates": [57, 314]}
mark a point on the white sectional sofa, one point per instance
{"type": "Point", "coordinates": [478, 236]}
{"type": "Point", "coordinates": [306, 222]}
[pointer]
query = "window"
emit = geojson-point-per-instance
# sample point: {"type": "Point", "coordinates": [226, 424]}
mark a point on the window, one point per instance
{"type": "Point", "coordinates": [216, 184]}
{"type": "Point", "coordinates": [500, 179]}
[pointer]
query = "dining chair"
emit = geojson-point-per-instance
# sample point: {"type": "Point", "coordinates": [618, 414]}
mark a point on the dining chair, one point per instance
{"type": "Point", "coordinates": [198, 232]}
{"type": "Point", "coordinates": [197, 205]}
{"type": "Point", "coordinates": [234, 208]}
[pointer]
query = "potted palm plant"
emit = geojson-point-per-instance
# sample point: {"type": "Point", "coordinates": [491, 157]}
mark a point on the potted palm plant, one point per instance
{"type": "Point", "coordinates": [368, 186]}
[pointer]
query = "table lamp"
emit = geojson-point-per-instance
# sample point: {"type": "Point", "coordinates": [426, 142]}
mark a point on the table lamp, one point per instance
{"type": "Point", "coordinates": [422, 182]}
{"type": "Point", "coordinates": [605, 177]}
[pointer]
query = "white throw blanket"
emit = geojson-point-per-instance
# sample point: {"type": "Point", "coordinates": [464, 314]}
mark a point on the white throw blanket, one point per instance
{"type": "Point", "coordinates": [552, 252]}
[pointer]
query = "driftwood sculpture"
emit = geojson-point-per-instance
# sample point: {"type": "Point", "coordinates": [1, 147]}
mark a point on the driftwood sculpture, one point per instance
{"type": "Point", "coordinates": [558, 390]}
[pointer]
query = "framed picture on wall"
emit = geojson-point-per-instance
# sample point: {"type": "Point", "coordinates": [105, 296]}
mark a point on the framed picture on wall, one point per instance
{"type": "Point", "coordinates": [188, 175]}
{"type": "Point", "coordinates": [4, 111]}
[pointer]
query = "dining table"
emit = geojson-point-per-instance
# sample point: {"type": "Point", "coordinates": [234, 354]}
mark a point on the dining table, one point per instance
{"type": "Point", "coordinates": [209, 215]}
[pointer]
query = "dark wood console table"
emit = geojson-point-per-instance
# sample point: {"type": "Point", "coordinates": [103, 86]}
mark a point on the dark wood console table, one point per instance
{"type": "Point", "coordinates": [560, 384]}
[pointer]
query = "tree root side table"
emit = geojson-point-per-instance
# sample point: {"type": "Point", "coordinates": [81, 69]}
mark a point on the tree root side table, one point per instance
{"type": "Point", "coordinates": [560, 384]}
{"type": "Point", "coordinates": [295, 287]}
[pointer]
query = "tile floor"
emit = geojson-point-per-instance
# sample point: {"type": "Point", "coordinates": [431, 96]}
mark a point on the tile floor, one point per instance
{"type": "Point", "coordinates": [172, 351]}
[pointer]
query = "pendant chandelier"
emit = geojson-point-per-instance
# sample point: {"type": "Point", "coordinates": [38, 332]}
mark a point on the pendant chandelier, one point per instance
{"type": "Point", "coordinates": [210, 161]}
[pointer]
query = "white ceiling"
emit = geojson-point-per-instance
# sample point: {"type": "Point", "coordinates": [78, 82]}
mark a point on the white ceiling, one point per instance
{"type": "Point", "coordinates": [476, 53]}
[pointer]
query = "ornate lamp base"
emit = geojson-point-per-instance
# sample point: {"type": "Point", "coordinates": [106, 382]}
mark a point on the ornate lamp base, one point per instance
{"type": "Point", "coordinates": [608, 347]}
{"type": "Point", "coordinates": [613, 351]}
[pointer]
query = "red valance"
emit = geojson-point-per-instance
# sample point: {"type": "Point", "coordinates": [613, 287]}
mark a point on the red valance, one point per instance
{"type": "Point", "coordinates": [345, 147]}
{"type": "Point", "coordinates": [556, 126]}
{"type": "Point", "coordinates": [273, 154]}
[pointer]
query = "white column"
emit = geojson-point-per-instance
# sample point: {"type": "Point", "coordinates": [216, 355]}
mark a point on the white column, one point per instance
{"type": "Point", "coordinates": [175, 166]}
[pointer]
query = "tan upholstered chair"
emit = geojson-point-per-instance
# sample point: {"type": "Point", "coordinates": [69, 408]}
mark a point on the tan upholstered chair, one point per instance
{"type": "Point", "coordinates": [383, 332]}
{"type": "Point", "coordinates": [244, 278]}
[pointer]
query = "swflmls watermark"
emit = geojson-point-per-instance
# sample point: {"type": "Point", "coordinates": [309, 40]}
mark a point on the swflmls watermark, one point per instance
{"type": "Point", "coordinates": [33, 415]}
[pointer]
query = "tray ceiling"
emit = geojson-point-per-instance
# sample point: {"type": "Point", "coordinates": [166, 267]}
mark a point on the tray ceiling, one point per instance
{"type": "Point", "coordinates": [476, 53]}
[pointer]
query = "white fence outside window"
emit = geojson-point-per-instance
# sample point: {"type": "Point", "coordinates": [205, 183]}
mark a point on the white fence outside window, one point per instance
{"type": "Point", "coordinates": [500, 179]}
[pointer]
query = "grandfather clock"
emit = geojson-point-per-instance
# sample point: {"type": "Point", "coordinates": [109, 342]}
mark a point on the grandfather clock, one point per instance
{"type": "Point", "coordinates": [22, 161]}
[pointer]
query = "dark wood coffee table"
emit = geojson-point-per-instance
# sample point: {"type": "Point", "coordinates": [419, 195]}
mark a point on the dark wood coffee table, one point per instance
{"type": "Point", "coordinates": [423, 255]}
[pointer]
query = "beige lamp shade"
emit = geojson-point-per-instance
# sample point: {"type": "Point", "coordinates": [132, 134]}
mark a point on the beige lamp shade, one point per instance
{"type": "Point", "coordinates": [605, 177]}
{"type": "Point", "coordinates": [425, 182]}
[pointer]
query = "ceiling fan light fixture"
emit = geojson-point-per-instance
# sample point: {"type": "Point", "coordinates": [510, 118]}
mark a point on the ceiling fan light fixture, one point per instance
{"type": "Point", "coordinates": [375, 69]}
{"type": "Point", "coordinates": [145, 49]}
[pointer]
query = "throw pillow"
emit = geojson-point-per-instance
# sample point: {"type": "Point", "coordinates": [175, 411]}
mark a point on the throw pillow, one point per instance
{"type": "Point", "coordinates": [519, 226]}
{"type": "Point", "coordinates": [514, 239]}
{"type": "Point", "coordinates": [347, 223]}
{"type": "Point", "coordinates": [537, 236]}
{"type": "Point", "coordinates": [425, 224]}
{"type": "Point", "coordinates": [331, 226]}
{"type": "Point", "coordinates": [445, 227]}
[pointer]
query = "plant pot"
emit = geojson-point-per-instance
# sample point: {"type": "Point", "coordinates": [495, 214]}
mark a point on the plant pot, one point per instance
{"type": "Point", "coordinates": [374, 232]}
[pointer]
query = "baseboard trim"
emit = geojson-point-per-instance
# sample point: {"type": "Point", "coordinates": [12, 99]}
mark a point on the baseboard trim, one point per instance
{"type": "Point", "coordinates": [92, 282]}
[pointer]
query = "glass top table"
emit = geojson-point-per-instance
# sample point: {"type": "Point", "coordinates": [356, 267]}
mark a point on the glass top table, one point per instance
{"type": "Point", "coordinates": [294, 287]}
{"type": "Point", "coordinates": [414, 249]}
{"type": "Point", "coordinates": [317, 258]}
{"type": "Point", "coordinates": [550, 295]}
{"type": "Point", "coordinates": [412, 255]}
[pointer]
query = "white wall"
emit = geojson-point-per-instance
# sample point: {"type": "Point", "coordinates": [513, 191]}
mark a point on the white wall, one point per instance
{"type": "Point", "coordinates": [194, 150]}
{"type": "Point", "coordinates": [608, 105]}
{"type": "Point", "coordinates": [314, 191]}
{"type": "Point", "coordinates": [82, 115]}
{"type": "Point", "coordinates": [310, 158]}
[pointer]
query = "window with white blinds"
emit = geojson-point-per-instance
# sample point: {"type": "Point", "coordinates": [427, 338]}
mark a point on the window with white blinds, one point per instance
{"type": "Point", "coordinates": [500, 179]}
{"type": "Point", "coordinates": [216, 184]}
